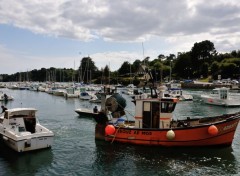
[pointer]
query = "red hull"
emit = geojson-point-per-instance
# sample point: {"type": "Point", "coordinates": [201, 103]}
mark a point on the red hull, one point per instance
{"type": "Point", "coordinates": [185, 136]}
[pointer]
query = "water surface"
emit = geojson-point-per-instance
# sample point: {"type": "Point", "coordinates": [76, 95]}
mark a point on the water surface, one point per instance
{"type": "Point", "coordinates": [75, 151]}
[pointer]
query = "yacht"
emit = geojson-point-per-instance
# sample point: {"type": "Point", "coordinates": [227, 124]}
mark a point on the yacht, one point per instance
{"type": "Point", "coordinates": [221, 97]}
{"type": "Point", "coordinates": [21, 131]}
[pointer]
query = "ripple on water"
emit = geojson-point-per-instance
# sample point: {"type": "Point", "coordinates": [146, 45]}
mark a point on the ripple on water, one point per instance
{"type": "Point", "coordinates": [75, 151]}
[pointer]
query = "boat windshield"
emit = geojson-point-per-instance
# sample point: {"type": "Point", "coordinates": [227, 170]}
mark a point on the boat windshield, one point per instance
{"type": "Point", "coordinates": [167, 107]}
{"type": "Point", "coordinates": [20, 114]}
{"type": "Point", "coordinates": [215, 92]}
{"type": "Point", "coordinates": [223, 94]}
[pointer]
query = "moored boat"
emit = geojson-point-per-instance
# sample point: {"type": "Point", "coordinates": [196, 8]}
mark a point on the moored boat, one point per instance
{"type": "Point", "coordinates": [221, 97]}
{"type": "Point", "coordinates": [174, 90]}
{"type": "Point", "coordinates": [58, 92]}
{"type": "Point", "coordinates": [154, 125]}
{"type": "Point", "coordinates": [85, 96]}
{"type": "Point", "coordinates": [71, 93]}
{"type": "Point", "coordinates": [86, 112]}
{"type": "Point", "coordinates": [5, 97]}
{"type": "Point", "coordinates": [20, 130]}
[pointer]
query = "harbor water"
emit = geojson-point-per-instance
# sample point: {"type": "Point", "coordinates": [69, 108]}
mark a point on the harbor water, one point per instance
{"type": "Point", "coordinates": [76, 152]}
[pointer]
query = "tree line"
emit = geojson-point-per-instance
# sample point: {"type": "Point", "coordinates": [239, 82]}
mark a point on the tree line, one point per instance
{"type": "Point", "coordinates": [202, 61]}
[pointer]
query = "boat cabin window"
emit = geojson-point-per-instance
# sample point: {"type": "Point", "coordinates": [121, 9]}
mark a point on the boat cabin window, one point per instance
{"type": "Point", "coordinates": [167, 107]}
{"type": "Point", "coordinates": [214, 92]}
{"type": "Point", "coordinates": [70, 91]}
{"type": "Point", "coordinates": [14, 116]}
{"type": "Point", "coordinates": [21, 129]}
{"type": "Point", "coordinates": [223, 94]}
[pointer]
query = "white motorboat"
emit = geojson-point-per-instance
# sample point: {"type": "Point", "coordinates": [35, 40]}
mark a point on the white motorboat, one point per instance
{"type": "Point", "coordinates": [175, 91]}
{"type": "Point", "coordinates": [86, 112]}
{"type": "Point", "coordinates": [95, 98]}
{"type": "Point", "coordinates": [85, 96]}
{"type": "Point", "coordinates": [58, 92]}
{"type": "Point", "coordinates": [5, 97]}
{"type": "Point", "coordinates": [221, 97]}
{"type": "Point", "coordinates": [71, 93]}
{"type": "Point", "coordinates": [21, 131]}
{"type": "Point", "coordinates": [178, 93]}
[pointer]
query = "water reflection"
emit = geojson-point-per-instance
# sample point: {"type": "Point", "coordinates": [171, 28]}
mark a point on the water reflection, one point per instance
{"type": "Point", "coordinates": [24, 163]}
{"type": "Point", "coordinates": [198, 109]}
{"type": "Point", "coordinates": [123, 159]}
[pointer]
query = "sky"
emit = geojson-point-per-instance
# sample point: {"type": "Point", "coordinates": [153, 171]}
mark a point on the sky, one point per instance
{"type": "Point", "coordinates": [59, 33]}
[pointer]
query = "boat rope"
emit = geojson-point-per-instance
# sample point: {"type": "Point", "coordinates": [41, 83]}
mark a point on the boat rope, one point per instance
{"type": "Point", "coordinates": [115, 134]}
{"type": "Point", "coordinates": [127, 112]}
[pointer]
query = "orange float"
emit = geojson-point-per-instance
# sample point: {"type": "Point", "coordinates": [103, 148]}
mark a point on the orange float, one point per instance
{"type": "Point", "coordinates": [110, 130]}
{"type": "Point", "coordinates": [213, 130]}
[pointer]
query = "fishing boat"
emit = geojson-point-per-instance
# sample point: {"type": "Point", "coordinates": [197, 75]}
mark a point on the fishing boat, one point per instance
{"type": "Point", "coordinates": [221, 97]}
{"type": "Point", "coordinates": [21, 131]}
{"type": "Point", "coordinates": [154, 125]}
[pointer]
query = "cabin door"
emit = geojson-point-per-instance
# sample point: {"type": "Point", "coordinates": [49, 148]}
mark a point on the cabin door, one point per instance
{"type": "Point", "coordinates": [150, 114]}
{"type": "Point", "coordinates": [155, 114]}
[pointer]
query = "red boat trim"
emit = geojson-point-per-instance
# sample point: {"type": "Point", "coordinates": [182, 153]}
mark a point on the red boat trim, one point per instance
{"type": "Point", "coordinates": [110, 137]}
{"type": "Point", "coordinates": [185, 128]}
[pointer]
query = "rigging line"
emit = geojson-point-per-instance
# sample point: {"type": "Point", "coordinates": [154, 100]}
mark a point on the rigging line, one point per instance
{"type": "Point", "coordinates": [115, 134]}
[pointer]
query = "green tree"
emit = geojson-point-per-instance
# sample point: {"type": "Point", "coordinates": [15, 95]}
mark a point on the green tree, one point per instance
{"type": "Point", "coordinates": [183, 67]}
{"type": "Point", "coordinates": [87, 69]}
{"type": "Point", "coordinates": [106, 75]}
{"type": "Point", "coordinates": [227, 70]}
{"type": "Point", "coordinates": [135, 66]}
{"type": "Point", "coordinates": [215, 69]}
{"type": "Point", "coordinates": [161, 57]}
{"type": "Point", "coordinates": [200, 53]}
{"type": "Point", "coordinates": [204, 69]}
{"type": "Point", "coordinates": [125, 68]}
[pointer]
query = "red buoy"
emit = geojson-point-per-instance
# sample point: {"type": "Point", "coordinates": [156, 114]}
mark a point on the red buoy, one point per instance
{"type": "Point", "coordinates": [109, 130]}
{"type": "Point", "coordinates": [213, 130]}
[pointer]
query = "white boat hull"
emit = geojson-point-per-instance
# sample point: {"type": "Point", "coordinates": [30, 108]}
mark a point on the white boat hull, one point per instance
{"type": "Point", "coordinates": [21, 131]}
{"type": "Point", "coordinates": [220, 102]}
{"type": "Point", "coordinates": [32, 143]}
{"type": "Point", "coordinates": [71, 95]}
{"type": "Point", "coordinates": [9, 97]}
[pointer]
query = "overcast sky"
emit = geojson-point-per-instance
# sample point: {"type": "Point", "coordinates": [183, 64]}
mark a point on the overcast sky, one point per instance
{"type": "Point", "coordinates": [38, 34]}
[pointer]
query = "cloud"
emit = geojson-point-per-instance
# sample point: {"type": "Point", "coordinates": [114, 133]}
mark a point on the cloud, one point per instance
{"type": "Point", "coordinates": [177, 24]}
{"type": "Point", "coordinates": [114, 59]}
{"type": "Point", "coordinates": [120, 20]}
